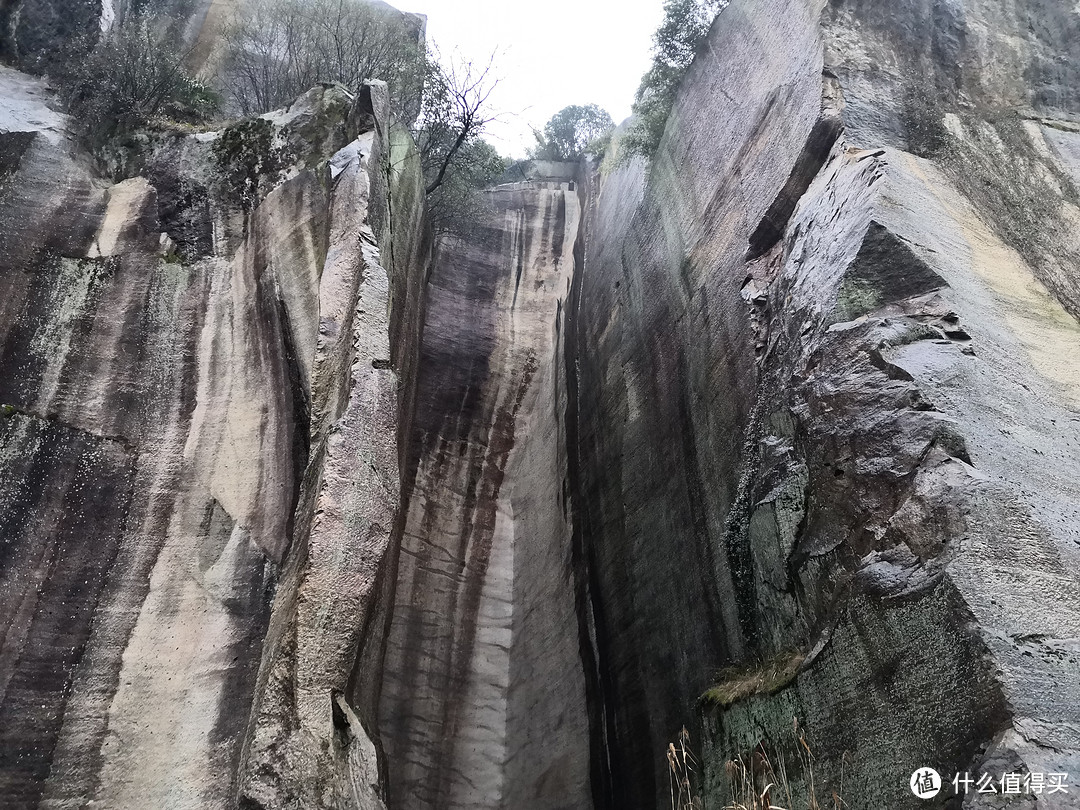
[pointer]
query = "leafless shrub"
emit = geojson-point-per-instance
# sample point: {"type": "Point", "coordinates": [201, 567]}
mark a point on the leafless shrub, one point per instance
{"type": "Point", "coordinates": [133, 75]}
{"type": "Point", "coordinates": [275, 50]}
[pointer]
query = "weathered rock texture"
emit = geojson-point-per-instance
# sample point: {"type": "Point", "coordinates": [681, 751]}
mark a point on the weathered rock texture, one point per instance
{"type": "Point", "coordinates": [820, 403]}
{"type": "Point", "coordinates": [827, 399]}
{"type": "Point", "coordinates": [483, 701]}
{"type": "Point", "coordinates": [200, 376]}
{"type": "Point", "coordinates": [286, 522]}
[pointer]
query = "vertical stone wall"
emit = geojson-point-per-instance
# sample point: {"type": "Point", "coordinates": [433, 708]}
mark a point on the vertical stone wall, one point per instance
{"type": "Point", "coordinates": [483, 700]}
{"type": "Point", "coordinates": [805, 339]}
{"type": "Point", "coordinates": [195, 363]}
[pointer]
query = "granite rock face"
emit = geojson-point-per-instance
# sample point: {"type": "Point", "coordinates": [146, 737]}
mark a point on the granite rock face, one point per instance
{"type": "Point", "coordinates": [297, 512]}
{"type": "Point", "coordinates": [483, 696]}
{"type": "Point", "coordinates": [201, 369]}
{"type": "Point", "coordinates": [827, 400]}
{"type": "Point", "coordinates": [819, 404]}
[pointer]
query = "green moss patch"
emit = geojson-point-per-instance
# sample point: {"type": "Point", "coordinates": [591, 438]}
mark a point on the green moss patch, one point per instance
{"type": "Point", "coordinates": [250, 159]}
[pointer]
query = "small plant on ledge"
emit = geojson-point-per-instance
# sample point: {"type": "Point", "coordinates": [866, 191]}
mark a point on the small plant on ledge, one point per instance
{"type": "Point", "coordinates": [765, 678]}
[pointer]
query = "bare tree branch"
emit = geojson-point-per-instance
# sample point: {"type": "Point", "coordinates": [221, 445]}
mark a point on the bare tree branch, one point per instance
{"type": "Point", "coordinates": [455, 110]}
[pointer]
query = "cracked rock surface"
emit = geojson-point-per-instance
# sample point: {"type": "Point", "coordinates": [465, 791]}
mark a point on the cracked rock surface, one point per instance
{"type": "Point", "coordinates": [297, 510]}
{"type": "Point", "coordinates": [200, 376]}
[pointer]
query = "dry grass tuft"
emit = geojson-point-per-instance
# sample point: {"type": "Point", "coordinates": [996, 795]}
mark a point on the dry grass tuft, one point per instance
{"type": "Point", "coordinates": [738, 683]}
{"type": "Point", "coordinates": [760, 782]}
{"type": "Point", "coordinates": [680, 770]}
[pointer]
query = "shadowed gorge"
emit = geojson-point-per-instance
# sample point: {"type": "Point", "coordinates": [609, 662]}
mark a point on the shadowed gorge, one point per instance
{"type": "Point", "coordinates": [302, 506]}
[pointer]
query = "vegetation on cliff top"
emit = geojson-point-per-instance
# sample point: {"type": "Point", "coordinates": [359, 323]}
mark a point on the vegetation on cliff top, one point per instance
{"type": "Point", "coordinates": [572, 132]}
{"type": "Point", "coordinates": [273, 51]}
{"type": "Point", "coordinates": [276, 50]}
{"type": "Point", "coordinates": [685, 25]}
{"type": "Point", "coordinates": [136, 75]}
{"type": "Point", "coordinates": [130, 77]}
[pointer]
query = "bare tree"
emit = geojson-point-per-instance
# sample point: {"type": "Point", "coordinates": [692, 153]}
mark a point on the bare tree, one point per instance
{"type": "Point", "coordinates": [278, 49]}
{"type": "Point", "coordinates": [455, 111]}
{"type": "Point", "coordinates": [132, 76]}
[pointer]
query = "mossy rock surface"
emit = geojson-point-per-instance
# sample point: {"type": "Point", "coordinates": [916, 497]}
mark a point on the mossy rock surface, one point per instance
{"type": "Point", "coordinates": [251, 159]}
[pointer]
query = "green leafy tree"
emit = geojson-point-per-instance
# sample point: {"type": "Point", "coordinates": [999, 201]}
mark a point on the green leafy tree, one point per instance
{"type": "Point", "coordinates": [675, 44]}
{"type": "Point", "coordinates": [571, 132]}
{"type": "Point", "coordinates": [459, 201]}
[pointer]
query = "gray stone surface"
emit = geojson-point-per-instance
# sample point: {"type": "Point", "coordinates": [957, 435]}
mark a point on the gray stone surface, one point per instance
{"type": "Point", "coordinates": [666, 380]}
{"type": "Point", "coordinates": [854, 442]}
{"type": "Point", "coordinates": [296, 515]}
{"type": "Point", "coordinates": [483, 702]}
{"type": "Point", "coordinates": [187, 356]}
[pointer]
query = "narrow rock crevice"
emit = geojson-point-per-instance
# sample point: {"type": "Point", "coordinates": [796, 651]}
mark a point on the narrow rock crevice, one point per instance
{"type": "Point", "coordinates": [807, 166]}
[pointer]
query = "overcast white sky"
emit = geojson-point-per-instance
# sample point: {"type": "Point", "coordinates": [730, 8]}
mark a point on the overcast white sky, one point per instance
{"type": "Point", "coordinates": [550, 54]}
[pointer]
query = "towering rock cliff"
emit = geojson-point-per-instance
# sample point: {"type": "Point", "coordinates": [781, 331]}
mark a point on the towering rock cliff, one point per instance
{"type": "Point", "coordinates": [820, 412]}
{"type": "Point", "coordinates": [295, 513]}
{"type": "Point", "coordinates": [483, 700]}
{"type": "Point", "coordinates": [204, 375]}
{"type": "Point", "coordinates": [827, 401]}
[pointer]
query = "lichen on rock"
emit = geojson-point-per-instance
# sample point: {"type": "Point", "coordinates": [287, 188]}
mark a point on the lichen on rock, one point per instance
{"type": "Point", "coordinates": [302, 509]}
